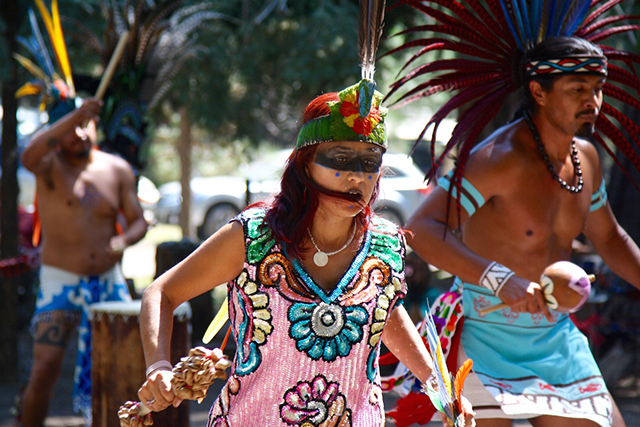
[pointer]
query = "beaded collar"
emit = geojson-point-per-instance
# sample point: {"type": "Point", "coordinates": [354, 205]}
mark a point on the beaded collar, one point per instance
{"type": "Point", "coordinates": [574, 159]}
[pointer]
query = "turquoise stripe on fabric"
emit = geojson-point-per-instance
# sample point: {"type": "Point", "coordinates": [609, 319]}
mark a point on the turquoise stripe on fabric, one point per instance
{"type": "Point", "coordinates": [599, 198]}
{"type": "Point", "coordinates": [470, 198]}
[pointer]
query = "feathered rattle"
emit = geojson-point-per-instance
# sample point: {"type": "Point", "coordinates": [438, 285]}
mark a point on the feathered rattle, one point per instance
{"type": "Point", "coordinates": [443, 388]}
{"type": "Point", "coordinates": [192, 377]}
{"type": "Point", "coordinates": [566, 288]}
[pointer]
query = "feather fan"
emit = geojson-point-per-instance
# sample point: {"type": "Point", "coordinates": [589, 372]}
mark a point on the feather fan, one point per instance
{"type": "Point", "coordinates": [449, 387]}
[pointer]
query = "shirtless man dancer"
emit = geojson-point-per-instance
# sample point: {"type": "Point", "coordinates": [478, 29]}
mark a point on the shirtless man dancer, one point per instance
{"type": "Point", "coordinates": [81, 193]}
{"type": "Point", "coordinates": [521, 211]}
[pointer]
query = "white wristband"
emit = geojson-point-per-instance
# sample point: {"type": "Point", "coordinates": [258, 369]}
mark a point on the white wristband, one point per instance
{"type": "Point", "coordinates": [161, 364]}
{"type": "Point", "coordinates": [494, 277]}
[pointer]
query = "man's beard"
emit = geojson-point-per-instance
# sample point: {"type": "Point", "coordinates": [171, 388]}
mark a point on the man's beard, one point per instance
{"type": "Point", "coordinates": [586, 130]}
{"type": "Point", "coordinates": [83, 154]}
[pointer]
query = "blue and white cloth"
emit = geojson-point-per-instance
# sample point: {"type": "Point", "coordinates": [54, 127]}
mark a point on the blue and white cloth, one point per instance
{"type": "Point", "coordinates": [531, 366]}
{"type": "Point", "coordinates": [73, 294]}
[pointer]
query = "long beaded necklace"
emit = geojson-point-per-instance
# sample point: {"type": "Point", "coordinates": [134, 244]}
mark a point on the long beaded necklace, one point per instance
{"type": "Point", "coordinates": [574, 159]}
{"type": "Point", "coordinates": [321, 258]}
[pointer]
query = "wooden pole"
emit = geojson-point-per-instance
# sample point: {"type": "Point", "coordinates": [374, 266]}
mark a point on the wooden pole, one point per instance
{"type": "Point", "coordinates": [113, 64]}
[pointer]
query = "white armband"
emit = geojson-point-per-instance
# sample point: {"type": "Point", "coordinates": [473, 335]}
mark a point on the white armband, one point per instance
{"type": "Point", "coordinates": [494, 277]}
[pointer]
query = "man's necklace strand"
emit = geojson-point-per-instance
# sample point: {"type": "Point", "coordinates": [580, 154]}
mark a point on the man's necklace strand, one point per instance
{"type": "Point", "coordinates": [574, 159]}
{"type": "Point", "coordinates": [321, 258]}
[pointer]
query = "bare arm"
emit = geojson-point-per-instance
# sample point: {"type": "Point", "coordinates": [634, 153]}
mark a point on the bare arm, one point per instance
{"type": "Point", "coordinates": [617, 249]}
{"type": "Point", "coordinates": [132, 211]}
{"type": "Point", "coordinates": [35, 156]}
{"type": "Point", "coordinates": [433, 238]}
{"type": "Point", "coordinates": [217, 261]}
{"type": "Point", "coordinates": [402, 338]}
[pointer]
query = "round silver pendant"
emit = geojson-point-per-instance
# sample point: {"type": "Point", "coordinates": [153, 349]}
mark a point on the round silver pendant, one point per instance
{"type": "Point", "coordinates": [320, 259]}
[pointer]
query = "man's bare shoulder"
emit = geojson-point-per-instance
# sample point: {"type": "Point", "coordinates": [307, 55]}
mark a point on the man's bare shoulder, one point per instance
{"type": "Point", "coordinates": [587, 149]}
{"type": "Point", "coordinates": [504, 152]}
{"type": "Point", "coordinates": [590, 160]}
{"type": "Point", "coordinates": [118, 164]}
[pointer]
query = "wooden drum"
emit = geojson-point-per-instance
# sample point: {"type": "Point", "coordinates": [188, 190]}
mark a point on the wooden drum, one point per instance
{"type": "Point", "coordinates": [117, 361]}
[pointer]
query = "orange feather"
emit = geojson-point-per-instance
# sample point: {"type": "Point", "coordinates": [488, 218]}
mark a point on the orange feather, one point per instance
{"type": "Point", "coordinates": [461, 375]}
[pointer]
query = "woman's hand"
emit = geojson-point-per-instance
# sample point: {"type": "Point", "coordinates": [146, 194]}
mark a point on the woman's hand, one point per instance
{"type": "Point", "coordinates": [467, 414]}
{"type": "Point", "coordinates": [157, 393]}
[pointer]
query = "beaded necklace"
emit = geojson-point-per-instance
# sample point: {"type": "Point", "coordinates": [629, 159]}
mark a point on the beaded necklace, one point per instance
{"type": "Point", "coordinates": [574, 159]}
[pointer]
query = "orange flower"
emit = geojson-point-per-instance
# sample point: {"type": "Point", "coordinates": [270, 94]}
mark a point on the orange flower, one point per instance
{"type": "Point", "coordinates": [350, 110]}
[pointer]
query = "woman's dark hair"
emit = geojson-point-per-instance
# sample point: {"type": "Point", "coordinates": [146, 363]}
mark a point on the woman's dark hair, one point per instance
{"type": "Point", "coordinates": [555, 47]}
{"type": "Point", "coordinates": [293, 208]}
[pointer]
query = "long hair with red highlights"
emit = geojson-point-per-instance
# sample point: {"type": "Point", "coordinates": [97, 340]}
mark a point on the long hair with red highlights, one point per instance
{"type": "Point", "coordinates": [294, 207]}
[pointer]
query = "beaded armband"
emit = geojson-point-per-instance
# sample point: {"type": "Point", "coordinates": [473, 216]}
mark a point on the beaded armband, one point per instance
{"type": "Point", "coordinates": [494, 277]}
{"type": "Point", "coordinates": [470, 198]}
{"type": "Point", "coordinates": [599, 198]}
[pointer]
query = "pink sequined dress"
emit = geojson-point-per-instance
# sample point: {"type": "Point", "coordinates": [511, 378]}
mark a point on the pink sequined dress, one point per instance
{"type": "Point", "coordinates": [305, 356]}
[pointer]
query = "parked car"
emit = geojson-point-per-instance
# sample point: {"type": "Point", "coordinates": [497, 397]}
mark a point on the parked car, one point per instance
{"type": "Point", "coordinates": [215, 200]}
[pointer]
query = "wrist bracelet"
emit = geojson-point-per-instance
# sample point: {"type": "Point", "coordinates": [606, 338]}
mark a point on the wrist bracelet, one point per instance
{"type": "Point", "coordinates": [494, 277]}
{"type": "Point", "coordinates": [161, 364]}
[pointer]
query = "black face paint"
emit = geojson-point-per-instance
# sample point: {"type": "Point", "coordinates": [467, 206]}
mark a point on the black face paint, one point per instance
{"type": "Point", "coordinates": [346, 159]}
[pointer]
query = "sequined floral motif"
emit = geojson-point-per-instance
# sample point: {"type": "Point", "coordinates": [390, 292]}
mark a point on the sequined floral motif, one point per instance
{"type": "Point", "coordinates": [260, 240]}
{"type": "Point", "coordinates": [382, 309]}
{"type": "Point", "coordinates": [315, 403]}
{"type": "Point", "coordinates": [256, 326]}
{"type": "Point", "coordinates": [380, 313]}
{"type": "Point", "coordinates": [350, 110]}
{"type": "Point", "coordinates": [230, 389]}
{"type": "Point", "coordinates": [326, 330]}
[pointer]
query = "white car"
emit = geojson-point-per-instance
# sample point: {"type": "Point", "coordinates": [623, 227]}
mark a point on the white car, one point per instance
{"type": "Point", "coordinates": [217, 199]}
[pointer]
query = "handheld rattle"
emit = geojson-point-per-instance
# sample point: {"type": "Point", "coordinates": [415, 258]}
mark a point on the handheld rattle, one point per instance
{"type": "Point", "coordinates": [566, 288]}
{"type": "Point", "coordinates": [192, 377]}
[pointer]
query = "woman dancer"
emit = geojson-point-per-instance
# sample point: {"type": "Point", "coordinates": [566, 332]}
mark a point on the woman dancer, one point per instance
{"type": "Point", "coordinates": [315, 280]}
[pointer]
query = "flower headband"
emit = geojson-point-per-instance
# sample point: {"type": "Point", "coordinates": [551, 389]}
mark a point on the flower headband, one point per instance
{"type": "Point", "coordinates": [356, 116]}
{"type": "Point", "coordinates": [588, 64]}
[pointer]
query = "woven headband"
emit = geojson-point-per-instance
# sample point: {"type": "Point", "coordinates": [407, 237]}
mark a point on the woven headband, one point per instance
{"type": "Point", "coordinates": [356, 116]}
{"type": "Point", "coordinates": [577, 65]}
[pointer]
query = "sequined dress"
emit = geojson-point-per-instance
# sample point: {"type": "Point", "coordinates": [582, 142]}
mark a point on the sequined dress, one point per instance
{"type": "Point", "coordinates": [305, 356]}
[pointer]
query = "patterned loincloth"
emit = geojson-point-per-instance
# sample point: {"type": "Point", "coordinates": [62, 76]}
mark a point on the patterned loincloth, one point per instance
{"type": "Point", "coordinates": [72, 294]}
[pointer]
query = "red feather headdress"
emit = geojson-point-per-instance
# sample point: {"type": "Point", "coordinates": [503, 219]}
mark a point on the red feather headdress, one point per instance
{"type": "Point", "coordinates": [488, 38]}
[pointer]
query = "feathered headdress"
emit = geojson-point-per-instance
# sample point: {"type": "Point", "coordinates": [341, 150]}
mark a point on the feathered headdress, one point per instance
{"type": "Point", "coordinates": [489, 38]}
{"type": "Point", "coordinates": [55, 87]}
{"type": "Point", "coordinates": [357, 115]}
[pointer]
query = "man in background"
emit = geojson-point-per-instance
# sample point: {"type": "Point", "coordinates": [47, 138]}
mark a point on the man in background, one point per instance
{"type": "Point", "coordinates": [81, 195]}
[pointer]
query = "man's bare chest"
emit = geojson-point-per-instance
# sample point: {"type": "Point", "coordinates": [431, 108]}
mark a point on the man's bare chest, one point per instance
{"type": "Point", "coordinates": [93, 191]}
{"type": "Point", "coordinates": [543, 213]}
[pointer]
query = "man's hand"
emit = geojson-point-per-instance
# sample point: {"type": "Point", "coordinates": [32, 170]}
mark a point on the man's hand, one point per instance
{"type": "Point", "coordinates": [524, 296]}
{"type": "Point", "coordinates": [89, 110]}
{"type": "Point", "coordinates": [116, 248]}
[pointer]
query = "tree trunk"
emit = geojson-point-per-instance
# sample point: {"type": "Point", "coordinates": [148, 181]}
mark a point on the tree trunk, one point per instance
{"type": "Point", "coordinates": [184, 150]}
{"type": "Point", "coordinates": [9, 199]}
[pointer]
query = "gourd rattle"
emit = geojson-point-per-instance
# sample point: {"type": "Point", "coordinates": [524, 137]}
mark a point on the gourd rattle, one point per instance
{"type": "Point", "coordinates": [192, 377]}
{"type": "Point", "coordinates": [566, 288]}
